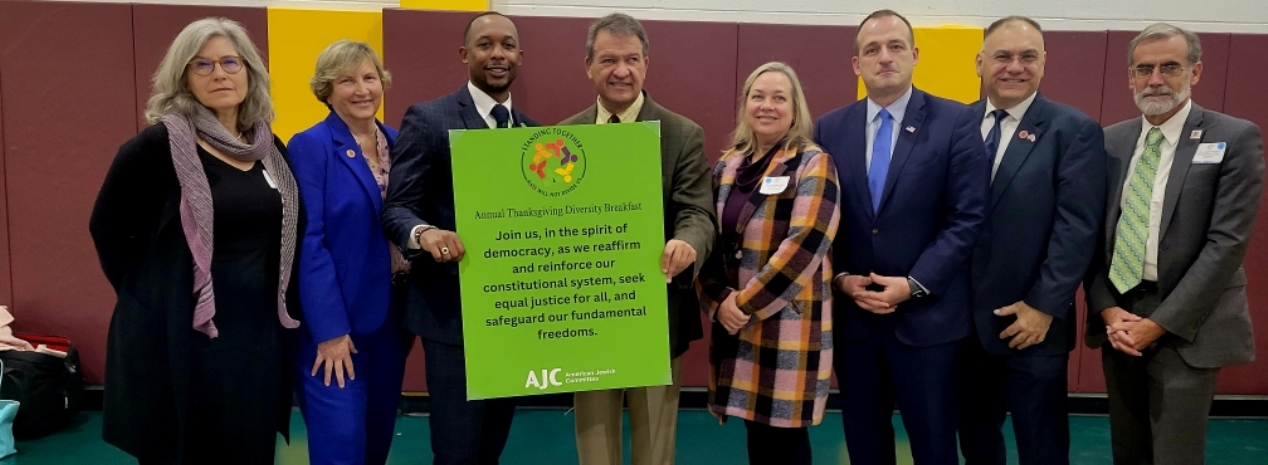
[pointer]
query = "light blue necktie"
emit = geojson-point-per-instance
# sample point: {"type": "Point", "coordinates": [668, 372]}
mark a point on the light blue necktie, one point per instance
{"type": "Point", "coordinates": [880, 159]}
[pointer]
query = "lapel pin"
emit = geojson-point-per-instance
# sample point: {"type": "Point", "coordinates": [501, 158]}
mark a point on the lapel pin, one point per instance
{"type": "Point", "coordinates": [352, 154]}
{"type": "Point", "coordinates": [911, 129]}
{"type": "Point", "coordinates": [1023, 135]}
{"type": "Point", "coordinates": [1196, 134]}
{"type": "Point", "coordinates": [1031, 138]}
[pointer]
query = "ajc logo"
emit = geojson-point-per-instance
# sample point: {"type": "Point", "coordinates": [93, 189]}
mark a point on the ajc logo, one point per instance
{"type": "Point", "coordinates": [549, 378]}
{"type": "Point", "coordinates": [553, 162]}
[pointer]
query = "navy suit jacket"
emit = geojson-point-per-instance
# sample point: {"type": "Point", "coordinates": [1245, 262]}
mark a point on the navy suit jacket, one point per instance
{"type": "Point", "coordinates": [420, 191]}
{"type": "Point", "coordinates": [345, 267]}
{"type": "Point", "coordinates": [930, 214]}
{"type": "Point", "coordinates": [1042, 222]}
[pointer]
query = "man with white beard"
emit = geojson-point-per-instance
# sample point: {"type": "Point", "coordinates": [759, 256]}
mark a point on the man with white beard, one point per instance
{"type": "Point", "coordinates": [1167, 292]}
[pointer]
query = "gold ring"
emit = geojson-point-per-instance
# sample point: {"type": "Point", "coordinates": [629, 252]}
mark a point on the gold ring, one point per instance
{"type": "Point", "coordinates": [444, 251]}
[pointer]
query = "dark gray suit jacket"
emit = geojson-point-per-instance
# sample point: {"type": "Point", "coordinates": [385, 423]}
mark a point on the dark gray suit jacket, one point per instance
{"type": "Point", "coordinates": [1208, 216]}
{"type": "Point", "coordinates": [689, 212]}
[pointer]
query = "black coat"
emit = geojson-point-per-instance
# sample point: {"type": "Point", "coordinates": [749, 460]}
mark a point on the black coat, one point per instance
{"type": "Point", "coordinates": [136, 227]}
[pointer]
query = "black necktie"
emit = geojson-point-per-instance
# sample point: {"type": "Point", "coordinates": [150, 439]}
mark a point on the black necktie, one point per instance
{"type": "Point", "coordinates": [501, 115]}
{"type": "Point", "coordinates": [992, 138]}
{"type": "Point", "coordinates": [614, 119]}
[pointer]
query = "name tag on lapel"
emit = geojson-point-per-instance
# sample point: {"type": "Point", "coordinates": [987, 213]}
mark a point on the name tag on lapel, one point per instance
{"type": "Point", "coordinates": [773, 185]}
{"type": "Point", "coordinates": [1210, 153]}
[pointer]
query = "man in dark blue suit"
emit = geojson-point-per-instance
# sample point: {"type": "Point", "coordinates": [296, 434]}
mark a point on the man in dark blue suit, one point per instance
{"type": "Point", "coordinates": [914, 181]}
{"type": "Point", "coordinates": [1047, 197]}
{"type": "Point", "coordinates": [419, 214]}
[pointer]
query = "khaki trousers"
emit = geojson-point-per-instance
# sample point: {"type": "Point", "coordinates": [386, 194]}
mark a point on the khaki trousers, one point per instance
{"type": "Point", "coordinates": [653, 423]}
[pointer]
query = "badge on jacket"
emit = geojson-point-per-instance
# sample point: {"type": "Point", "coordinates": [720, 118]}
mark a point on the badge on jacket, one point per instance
{"type": "Point", "coordinates": [773, 184]}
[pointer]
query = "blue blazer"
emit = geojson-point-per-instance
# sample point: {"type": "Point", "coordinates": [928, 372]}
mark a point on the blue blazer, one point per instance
{"type": "Point", "coordinates": [930, 214]}
{"type": "Point", "coordinates": [345, 267]}
{"type": "Point", "coordinates": [1043, 218]}
{"type": "Point", "coordinates": [421, 191]}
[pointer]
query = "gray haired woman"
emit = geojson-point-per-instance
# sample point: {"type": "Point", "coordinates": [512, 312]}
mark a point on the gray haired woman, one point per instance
{"type": "Point", "coordinates": [197, 226]}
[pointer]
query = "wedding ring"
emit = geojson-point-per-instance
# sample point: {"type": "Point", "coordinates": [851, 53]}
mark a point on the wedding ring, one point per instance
{"type": "Point", "coordinates": [444, 251]}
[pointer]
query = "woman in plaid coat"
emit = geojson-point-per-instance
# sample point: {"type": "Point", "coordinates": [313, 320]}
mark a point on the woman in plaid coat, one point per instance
{"type": "Point", "coordinates": [767, 284]}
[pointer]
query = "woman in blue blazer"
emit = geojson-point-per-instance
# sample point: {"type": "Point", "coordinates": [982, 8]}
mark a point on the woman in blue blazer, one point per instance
{"type": "Point", "coordinates": [350, 356]}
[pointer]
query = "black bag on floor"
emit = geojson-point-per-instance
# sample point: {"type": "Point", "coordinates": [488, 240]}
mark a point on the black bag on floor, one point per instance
{"type": "Point", "coordinates": [49, 387]}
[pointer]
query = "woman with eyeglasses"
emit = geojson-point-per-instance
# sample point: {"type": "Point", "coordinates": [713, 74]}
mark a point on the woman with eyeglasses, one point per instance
{"type": "Point", "coordinates": [198, 227]}
{"type": "Point", "coordinates": [350, 357]}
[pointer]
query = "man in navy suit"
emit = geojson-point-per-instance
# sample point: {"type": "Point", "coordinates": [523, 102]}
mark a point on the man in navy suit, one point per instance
{"type": "Point", "coordinates": [419, 214]}
{"type": "Point", "coordinates": [914, 182]}
{"type": "Point", "coordinates": [1047, 197]}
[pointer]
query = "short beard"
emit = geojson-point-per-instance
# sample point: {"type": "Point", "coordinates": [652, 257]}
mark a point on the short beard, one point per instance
{"type": "Point", "coordinates": [1155, 107]}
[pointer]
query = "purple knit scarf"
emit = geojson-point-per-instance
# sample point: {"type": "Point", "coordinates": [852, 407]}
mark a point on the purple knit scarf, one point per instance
{"type": "Point", "coordinates": [196, 203]}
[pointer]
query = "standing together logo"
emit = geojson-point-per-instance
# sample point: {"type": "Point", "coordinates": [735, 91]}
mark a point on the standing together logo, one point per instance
{"type": "Point", "coordinates": [553, 162]}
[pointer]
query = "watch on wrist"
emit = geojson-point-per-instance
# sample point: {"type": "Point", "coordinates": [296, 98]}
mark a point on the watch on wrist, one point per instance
{"type": "Point", "coordinates": [916, 290]}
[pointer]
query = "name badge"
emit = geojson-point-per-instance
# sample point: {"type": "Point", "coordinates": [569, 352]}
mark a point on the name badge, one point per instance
{"type": "Point", "coordinates": [269, 179]}
{"type": "Point", "coordinates": [773, 184]}
{"type": "Point", "coordinates": [1210, 153]}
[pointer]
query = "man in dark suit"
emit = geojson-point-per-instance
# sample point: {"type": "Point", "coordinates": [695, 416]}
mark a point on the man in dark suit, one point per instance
{"type": "Point", "coordinates": [1167, 293]}
{"type": "Point", "coordinates": [914, 181]}
{"type": "Point", "coordinates": [419, 213]}
{"type": "Point", "coordinates": [1047, 197]}
{"type": "Point", "coordinates": [616, 60]}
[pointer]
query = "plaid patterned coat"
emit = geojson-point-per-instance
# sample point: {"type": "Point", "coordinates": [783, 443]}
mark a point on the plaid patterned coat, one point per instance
{"type": "Point", "coordinates": [777, 369]}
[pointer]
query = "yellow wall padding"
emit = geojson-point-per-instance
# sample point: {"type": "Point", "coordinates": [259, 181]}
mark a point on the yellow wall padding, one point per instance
{"type": "Point", "coordinates": [296, 37]}
{"type": "Point", "coordinates": [459, 5]}
{"type": "Point", "coordinates": [946, 65]}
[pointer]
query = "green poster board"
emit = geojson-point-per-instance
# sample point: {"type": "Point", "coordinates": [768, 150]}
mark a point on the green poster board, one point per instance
{"type": "Point", "coordinates": [562, 289]}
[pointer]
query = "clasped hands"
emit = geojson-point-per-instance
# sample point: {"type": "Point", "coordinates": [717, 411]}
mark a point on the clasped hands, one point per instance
{"type": "Point", "coordinates": [1129, 333]}
{"type": "Point", "coordinates": [894, 290]}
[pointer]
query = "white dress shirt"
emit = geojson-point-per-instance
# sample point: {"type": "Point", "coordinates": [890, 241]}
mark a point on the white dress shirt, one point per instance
{"type": "Point", "coordinates": [1007, 128]}
{"type": "Point", "coordinates": [484, 105]}
{"type": "Point", "coordinates": [897, 110]}
{"type": "Point", "coordinates": [1171, 132]}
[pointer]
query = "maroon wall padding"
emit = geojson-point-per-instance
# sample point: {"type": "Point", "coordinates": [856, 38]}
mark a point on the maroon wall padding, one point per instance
{"type": "Point", "coordinates": [60, 132]}
{"type": "Point", "coordinates": [825, 72]}
{"type": "Point", "coordinates": [1074, 71]}
{"type": "Point", "coordinates": [420, 48]}
{"type": "Point", "coordinates": [552, 83]}
{"type": "Point", "coordinates": [69, 103]}
{"type": "Point", "coordinates": [819, 54]}
{"type": "Point", "coordinates": [154, 27]}
{"type": "Point", "coordinates": [1246, 97]}
{"type": "Point", "coordinates": [1209, 92]}
{"type": "Point", "coordinates": [1074, 75]}
{"type": "Point", "coordinates": [6, 276]}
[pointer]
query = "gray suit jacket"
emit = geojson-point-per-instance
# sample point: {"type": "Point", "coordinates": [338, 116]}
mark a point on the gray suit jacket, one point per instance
{"type": "Point", "coordinates": [1207, 219]}
{"type": "Point", "coordinates": [689, 212]}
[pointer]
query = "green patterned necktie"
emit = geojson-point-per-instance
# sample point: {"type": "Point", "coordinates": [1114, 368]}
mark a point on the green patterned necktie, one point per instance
{"type": "Point", "coordinates": [1132, 238]}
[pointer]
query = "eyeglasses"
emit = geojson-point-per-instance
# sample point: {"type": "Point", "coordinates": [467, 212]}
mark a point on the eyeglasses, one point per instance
{"type": "Point", "coordinates": [203, 66]}
{"type": "Point", "coordinates": [1172, 69]}
{"type": "Point", "coordinates": [1026, 59]}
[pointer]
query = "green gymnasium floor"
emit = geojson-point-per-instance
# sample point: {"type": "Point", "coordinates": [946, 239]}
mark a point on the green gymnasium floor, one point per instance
{"type": "Point", "coordinates": [545, 437]}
